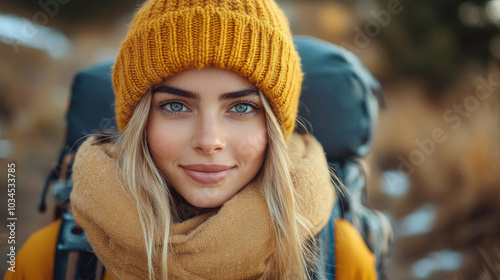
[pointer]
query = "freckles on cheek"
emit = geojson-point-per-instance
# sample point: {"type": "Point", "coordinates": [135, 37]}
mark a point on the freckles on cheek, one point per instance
{"type": "Point", "coordinates": [252, 144]}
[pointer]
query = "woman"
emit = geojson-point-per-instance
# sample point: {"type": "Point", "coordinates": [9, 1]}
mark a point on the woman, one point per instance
{"type": "Point", "coordinates": [206, 179]}
{"type": "Point", "coordinates": [206, 97]}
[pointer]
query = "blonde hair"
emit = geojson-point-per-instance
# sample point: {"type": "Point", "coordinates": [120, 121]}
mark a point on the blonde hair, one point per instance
{"type": "Point", "coordinates": [147, 186]}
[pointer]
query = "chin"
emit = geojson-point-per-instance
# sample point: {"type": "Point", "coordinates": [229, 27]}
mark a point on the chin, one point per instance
{"type": "Point", "coordinates": [208, 202]}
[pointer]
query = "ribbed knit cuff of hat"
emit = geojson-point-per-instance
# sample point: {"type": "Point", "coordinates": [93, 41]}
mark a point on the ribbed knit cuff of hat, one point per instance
{"type": "Point", "coordinates": [250, 38]}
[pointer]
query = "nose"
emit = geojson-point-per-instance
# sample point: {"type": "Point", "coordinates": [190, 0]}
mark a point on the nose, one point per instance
{"type": "Point", "coordinates": [209, 137]}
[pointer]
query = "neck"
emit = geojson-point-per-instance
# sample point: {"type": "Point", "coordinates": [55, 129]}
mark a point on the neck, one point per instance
{"type": "Point", "coordinates": [185, 210]}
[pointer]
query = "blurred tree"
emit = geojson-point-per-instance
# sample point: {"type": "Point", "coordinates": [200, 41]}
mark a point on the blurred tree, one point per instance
{"type": "Point", "coordinates": [433, 40]}
{"type": "Point", "coordinates": [69, 13]}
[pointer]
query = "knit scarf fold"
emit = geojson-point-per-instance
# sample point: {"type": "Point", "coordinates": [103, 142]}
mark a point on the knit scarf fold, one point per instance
{"type": "Point", "coordinates": [234, 243]}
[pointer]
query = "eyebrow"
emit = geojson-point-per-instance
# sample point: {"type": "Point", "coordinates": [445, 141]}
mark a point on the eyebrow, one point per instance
{"type": "Point", "coordinates": [177, 91]}
{"type": "Point", "coordinates": [238, 94]}
{"type": "Point", "coordinates": [192, 95]}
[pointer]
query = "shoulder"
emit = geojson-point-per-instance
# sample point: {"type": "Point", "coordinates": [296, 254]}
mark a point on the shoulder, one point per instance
{"type": "Point", "coordinates": [354, 260]}
{"type": "Point", "coordinates": [35, 260]}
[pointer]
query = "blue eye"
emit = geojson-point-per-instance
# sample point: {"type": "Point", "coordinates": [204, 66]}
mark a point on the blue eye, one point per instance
{"type": "Point", "coordinates": [175, 107]}
{"type": "Point", "coordinates": [241, 108]}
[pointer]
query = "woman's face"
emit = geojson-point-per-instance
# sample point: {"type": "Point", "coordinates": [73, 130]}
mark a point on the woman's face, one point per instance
{"type": "Point", "coordinates": [207, 134]}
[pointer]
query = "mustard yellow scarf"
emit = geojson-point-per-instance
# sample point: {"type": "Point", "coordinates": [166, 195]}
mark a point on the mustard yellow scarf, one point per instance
{"type": "Point", "coordinates": [234, 243]}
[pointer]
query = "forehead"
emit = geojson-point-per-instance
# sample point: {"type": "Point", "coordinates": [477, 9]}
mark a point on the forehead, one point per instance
{"type": "Point", "coordinates": [209, 79]}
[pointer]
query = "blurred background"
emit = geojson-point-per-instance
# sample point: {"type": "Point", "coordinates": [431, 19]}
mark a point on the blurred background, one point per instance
{"type": "Point", "coordinates": [434, 168]}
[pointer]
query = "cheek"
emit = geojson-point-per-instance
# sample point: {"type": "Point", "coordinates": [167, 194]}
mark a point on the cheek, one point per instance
{"type": "Point", "coordinates": [251, 143]}
{"type": "Point", "coordinates": [164, 144]}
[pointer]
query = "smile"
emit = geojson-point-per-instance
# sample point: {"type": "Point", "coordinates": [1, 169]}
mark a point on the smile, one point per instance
{"type": "Point", "coordinates": [207, 174]}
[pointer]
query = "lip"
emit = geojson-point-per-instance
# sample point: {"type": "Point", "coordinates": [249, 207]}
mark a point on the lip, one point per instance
{"type": "Point", "coordinates": [207, 173]}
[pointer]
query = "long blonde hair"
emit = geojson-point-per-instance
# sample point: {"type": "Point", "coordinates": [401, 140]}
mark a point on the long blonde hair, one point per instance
{"type": "Point", "coordinates": [147, 186]}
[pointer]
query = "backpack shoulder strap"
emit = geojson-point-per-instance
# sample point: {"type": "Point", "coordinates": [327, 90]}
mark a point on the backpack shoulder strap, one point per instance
{"type": "Point", "coordinates": [75, 258]}
{"type": "Point", "coordinates": [325, 266]}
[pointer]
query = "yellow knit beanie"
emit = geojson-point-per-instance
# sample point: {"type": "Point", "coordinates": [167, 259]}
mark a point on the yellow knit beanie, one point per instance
{"type": "Point", "coordinates": [249, 37]}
